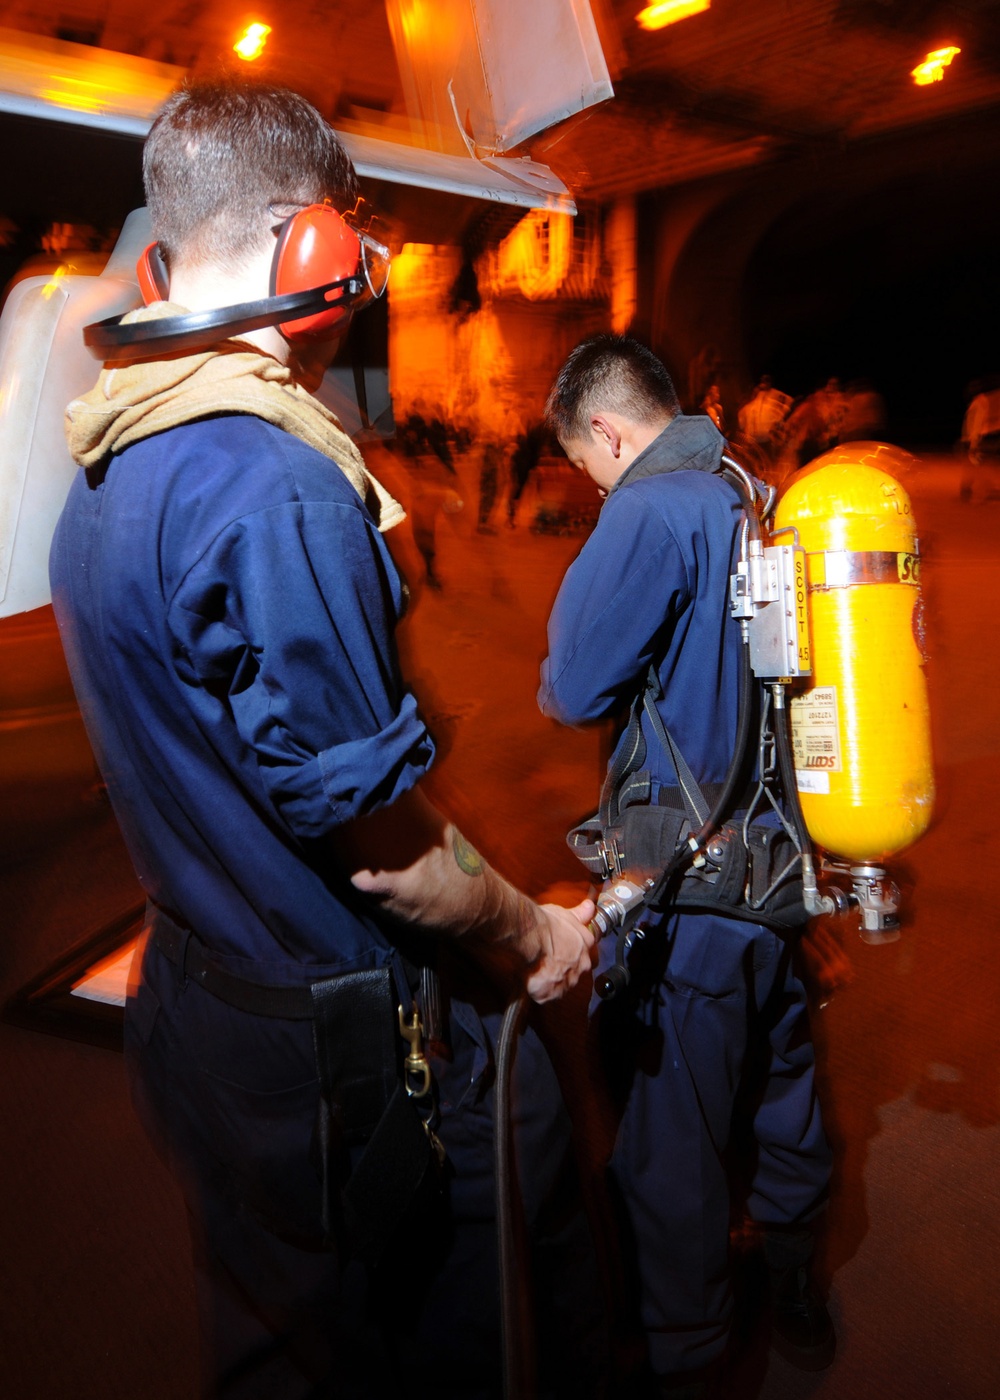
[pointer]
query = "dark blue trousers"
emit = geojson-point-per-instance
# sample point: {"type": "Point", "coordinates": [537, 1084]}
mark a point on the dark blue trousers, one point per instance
{"type": "Point", "coordinates": [230, 1101]}
{"type": "Point", "coordinates": [711, 1063]}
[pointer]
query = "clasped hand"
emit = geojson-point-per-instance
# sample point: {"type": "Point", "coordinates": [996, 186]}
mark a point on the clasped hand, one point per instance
{"type": "Point", "coordinates": [568, 950]}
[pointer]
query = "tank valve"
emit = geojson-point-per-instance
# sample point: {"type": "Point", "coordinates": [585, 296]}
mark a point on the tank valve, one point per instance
{"type": "Point", "coordinates": [878, 899]}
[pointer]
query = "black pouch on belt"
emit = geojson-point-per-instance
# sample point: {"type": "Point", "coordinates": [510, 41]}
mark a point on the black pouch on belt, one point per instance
{"type": "Point", "coordinates": [364, 1101]}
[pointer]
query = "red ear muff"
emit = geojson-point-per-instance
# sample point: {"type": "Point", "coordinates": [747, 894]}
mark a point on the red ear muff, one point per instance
{"type": "Point", "coordinates": [151, 270]}
{"type": "Point", "coordinates": [321, 272]}
{"type": "Point", "coordinates": [315, 247]}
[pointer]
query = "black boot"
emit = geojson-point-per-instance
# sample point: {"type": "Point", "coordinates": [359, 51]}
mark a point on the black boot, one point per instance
{"type": "Point", "coordinates": [801, 1327]}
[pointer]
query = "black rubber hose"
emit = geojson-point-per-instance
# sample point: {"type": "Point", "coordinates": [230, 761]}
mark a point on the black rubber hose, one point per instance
{"type": "Point", "coordinates": [745, 710]}
{"type": "Point", "coordinates": [516, 1329]}
{"type": "Point", "coordinates": [744, 716]}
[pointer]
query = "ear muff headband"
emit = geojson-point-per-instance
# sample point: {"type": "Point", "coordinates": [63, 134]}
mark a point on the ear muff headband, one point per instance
{"type": "Point", "coordinates": [319, 259]}
{"type": "Point", "coordinates": [196, 329]}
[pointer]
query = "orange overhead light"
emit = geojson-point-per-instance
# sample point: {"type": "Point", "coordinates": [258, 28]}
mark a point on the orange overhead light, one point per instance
{"type": "Point", "coordinates": [665, 12]}
{"type": "Point", "coordinates": [933, 66]}
{"type": "Point", "coordinates": [250, 44]}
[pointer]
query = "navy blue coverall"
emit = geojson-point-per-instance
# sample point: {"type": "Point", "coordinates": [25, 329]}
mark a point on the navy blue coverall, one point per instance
{"type": "Point", "coordinates": [651, 585]}
{"type": "Point", "coordinates": [227, 606]}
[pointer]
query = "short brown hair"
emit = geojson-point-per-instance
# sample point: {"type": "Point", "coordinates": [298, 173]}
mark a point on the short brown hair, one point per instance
{"type": "Point", "coordinates": [613, 373]}
{"type": "Point", "coordinates": [219, 153]}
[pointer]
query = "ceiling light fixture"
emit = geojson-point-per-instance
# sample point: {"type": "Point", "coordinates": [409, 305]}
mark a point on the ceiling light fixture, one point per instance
{"type": "Point", "coordinates": [666, 12]}
{"type": "Point", "coordinates": [933, 66]}
{"type": "Point", "coordinates": [250, 44]}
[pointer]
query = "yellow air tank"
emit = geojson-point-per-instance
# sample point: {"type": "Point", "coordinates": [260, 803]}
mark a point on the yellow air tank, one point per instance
{"type": "Point", "coordinates": [861, 727]}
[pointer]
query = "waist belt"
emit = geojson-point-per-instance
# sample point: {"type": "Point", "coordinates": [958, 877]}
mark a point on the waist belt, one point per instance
{"type": "Point", "coordinates": [192, 959]}
{"type": "Point", "coordinates": [673, 797]}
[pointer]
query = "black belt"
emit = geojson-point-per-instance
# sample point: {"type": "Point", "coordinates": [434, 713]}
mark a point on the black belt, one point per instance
{"type": "Point", "coordinates": [190, 956]}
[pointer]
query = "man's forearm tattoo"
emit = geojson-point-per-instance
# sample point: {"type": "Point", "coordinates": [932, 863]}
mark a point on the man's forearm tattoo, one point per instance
{"type": "Point", "coordinates": [467, 857]}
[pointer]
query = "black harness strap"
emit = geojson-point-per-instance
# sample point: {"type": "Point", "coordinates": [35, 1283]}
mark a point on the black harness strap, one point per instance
{"type": "Point", "coordinates": [627, 761]}
{"type": "Point", "coordinates": [627, 788]}
{"type": "Point", "coordinates": [694, 802]}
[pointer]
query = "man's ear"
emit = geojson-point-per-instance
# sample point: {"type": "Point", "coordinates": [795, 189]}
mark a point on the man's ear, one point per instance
{"type": "Point", "coordinates": [607, 431]}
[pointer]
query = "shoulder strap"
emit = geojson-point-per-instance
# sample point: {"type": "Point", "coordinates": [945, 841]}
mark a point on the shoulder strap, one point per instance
{"type": "Point", "coordinates": [628, 760]}
{"type": "Point", "coordinates": [695, 806]}
{"type": "Point", "coordinates": [631, 753]}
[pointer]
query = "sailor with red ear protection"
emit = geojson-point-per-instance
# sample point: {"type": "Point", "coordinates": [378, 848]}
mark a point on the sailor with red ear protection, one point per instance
{"type": "Point", "coordinates": [322, 271]}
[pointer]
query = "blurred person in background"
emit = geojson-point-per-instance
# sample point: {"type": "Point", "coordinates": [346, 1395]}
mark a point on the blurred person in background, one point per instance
{"type": "Point", "coordinates": [432, 483]}
{"type": "Point", "coordinates": [528, 449]}
{"type": "Point", "coordinates": [981, 424]}
{"type": "Point", "coordinates": [703, 371]}
{"type": "Point", "coordinates": [813, 424]}
{"type": "Point", "coordinates": [499, 432]}
{"type": "Point", "coordinates": [832, 404]}
{"type": "Point", "coordinates": [711, 405]}
{"type": "Point", "coordinates": [864, 417]}
{"type": "Point", "coordinates": [761, 416]}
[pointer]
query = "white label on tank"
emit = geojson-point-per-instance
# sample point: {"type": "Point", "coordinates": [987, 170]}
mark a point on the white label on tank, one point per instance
{"type": "Point", "coordinates": [815, 734]}
{"type": "Point", "coordinates": [814, 781]}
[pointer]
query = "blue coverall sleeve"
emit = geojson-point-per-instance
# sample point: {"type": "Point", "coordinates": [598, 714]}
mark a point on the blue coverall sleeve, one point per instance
{"type": "Point", "coordinates": [620, 598]}
{"type": "Point", "coordinates": [287, 621]}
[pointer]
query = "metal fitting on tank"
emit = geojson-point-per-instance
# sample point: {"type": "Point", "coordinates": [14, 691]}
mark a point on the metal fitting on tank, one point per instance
{"type": "Point", "coordinates": [878, 902]}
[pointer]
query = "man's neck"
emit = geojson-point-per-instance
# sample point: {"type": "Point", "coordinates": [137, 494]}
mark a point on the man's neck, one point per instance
{"type": "Point", "coordinates": [205, 287]}
{"type": "Point", "coordinates": [640, 435]}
